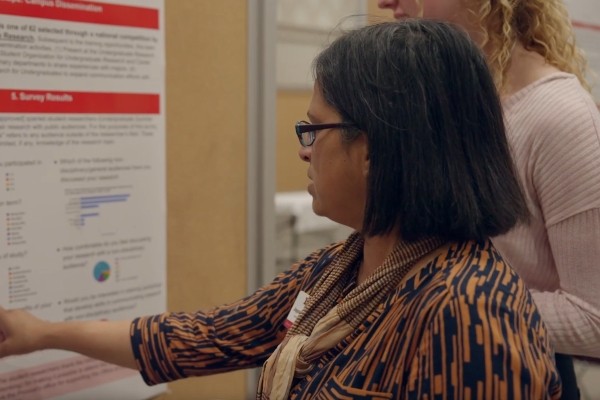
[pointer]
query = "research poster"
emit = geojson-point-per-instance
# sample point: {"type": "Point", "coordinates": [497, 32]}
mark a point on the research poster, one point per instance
{"type": "Point", "coordinates": [82, 190]}
{"type": "Point", "coordinates": [585, 15]}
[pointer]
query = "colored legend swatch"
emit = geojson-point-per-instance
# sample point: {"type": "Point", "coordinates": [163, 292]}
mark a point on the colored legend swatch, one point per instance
{"type": "Point", "coordinates": [15, 222]}
{"type": "Point", "coordinates": [9, 181]}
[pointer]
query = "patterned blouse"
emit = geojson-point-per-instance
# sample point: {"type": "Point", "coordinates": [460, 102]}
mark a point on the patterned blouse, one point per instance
{"type": "Point", "coordinates": [461, 326]}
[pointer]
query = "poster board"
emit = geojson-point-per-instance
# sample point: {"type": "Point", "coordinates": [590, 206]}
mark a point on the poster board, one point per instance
{"type": "Point", "coordinates": [207, 124]}
{"type": "Point", "coordinates": [82, 132]}
{"type": "Point", "coordinates": [206, 119]}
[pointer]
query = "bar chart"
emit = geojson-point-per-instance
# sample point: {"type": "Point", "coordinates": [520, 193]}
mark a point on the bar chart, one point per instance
{"type": "Point", "coordinates": [82, 209]}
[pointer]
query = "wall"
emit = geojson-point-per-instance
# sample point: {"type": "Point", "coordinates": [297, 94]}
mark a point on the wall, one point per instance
{"type": "Point", "coordinates": [206, 167]}
{"type": "Point", "coordinates": [291, 171]}
{"type": "Point", "coordinates": [376, 14]}
{"type": "Point", "coordinates": [304, 27]}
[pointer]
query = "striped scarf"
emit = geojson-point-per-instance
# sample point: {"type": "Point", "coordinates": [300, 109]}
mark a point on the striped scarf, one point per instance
{"type": "Point", "coordinates": [322, 323]}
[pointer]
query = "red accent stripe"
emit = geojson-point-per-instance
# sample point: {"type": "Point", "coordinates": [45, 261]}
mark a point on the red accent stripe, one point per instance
{"type": "Point", "coordinates": [58, 102]}
{"type": "Point", "coordinates": [95, 13]}
{"type": "Point", "coordinates": [585, 25]}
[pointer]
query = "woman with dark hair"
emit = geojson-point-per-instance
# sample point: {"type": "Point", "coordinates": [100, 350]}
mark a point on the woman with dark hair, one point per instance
{"type": "Point", "coordinates": [553, 127]}
{"type": "Point", "coordinates": [405, 143]}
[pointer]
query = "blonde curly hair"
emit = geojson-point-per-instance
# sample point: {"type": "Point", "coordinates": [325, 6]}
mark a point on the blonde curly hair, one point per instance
{"type": "Point", "coordinates": [542, 26]}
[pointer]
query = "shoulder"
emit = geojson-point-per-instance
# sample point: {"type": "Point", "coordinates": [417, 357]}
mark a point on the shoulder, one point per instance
{"type": "Point", "coordinates": [553, 102]}
{"type": "Point", "coordinates": [477, 274]}
{"type": "Point", "coordinates": [550, 89]}
{"type": "Point", "coordinates": [483, 291]}
{"type": "Point", "coordinates": [483, 316]}
{"type": "Point", "coordinates": [469, 273]}
{"type": "Point", "coordinates": [554, 130]}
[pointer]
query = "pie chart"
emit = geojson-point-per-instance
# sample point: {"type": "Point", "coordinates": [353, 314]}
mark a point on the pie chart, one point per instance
{"type": "Point", "coordinates": [101, 271]}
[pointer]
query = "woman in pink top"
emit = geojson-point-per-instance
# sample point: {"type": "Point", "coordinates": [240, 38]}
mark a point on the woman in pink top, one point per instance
{"type": "Point", "coordinates": [553, 127]}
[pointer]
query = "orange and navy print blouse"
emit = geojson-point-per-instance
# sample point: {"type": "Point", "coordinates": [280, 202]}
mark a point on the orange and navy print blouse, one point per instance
{"type": "Point", "coordinates": [461, 326]}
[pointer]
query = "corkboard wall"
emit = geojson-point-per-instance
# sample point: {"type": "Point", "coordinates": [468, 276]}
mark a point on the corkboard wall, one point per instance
{"type": "Point", "coordinates": [377, 14]}
{"type": "Point", "coordinates": [206, 167]}
{"type": "Point", "coordinates": [290, 170]}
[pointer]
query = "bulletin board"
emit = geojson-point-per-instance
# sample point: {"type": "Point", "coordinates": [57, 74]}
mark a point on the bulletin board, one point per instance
{"type": "Point", "coordinates": [206, 151]}
{"type": "Point", "coordinates": [206, 92]}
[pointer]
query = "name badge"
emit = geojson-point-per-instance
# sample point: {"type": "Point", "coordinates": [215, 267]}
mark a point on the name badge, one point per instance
{"type": "Point", "coordinates": [296, 309]}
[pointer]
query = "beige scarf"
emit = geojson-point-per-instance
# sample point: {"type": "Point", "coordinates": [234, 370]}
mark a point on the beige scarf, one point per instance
{"type": "Point", "coordinates": [322, 324]}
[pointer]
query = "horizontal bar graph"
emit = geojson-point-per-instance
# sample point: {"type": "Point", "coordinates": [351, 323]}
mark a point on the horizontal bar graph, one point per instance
{"type": "Point", "coordinates": [83, 208]}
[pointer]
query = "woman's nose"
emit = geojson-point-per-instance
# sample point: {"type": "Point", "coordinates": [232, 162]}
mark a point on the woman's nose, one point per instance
{"type": "Point", "coordinates": [305, 153]}
{"type": "Point", "coordinates": [383, 4]}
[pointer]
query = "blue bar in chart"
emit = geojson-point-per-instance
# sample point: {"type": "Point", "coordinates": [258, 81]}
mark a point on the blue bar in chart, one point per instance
{"type": "Point", "coordinates": [89, 206]}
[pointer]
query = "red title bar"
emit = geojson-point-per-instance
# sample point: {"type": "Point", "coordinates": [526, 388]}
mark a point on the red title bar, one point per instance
{"type": "Point", "coordinates": [60, 102]}
{"type": "Point", "coordinates": [83, 11]}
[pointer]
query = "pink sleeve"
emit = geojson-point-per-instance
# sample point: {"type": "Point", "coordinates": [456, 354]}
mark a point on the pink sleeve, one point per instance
{"type": "Point", "coordinates": [572, 313]}
{"type": "Point", "coordinates": [565, 173]}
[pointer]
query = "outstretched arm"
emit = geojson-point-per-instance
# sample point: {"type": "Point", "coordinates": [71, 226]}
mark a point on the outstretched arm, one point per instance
{"type": "Point", "coordinates": [233, 336]}
{"type": "Point", "coordinates": [22, 333]}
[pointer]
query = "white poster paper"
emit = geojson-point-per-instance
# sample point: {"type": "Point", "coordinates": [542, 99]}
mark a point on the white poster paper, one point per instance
{"type": "Point", "coordinates": [82, 190]}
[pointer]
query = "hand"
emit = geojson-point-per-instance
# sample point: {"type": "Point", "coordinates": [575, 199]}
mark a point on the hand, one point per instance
{"type": "Point", "coordinates": [20, 332]}
{"type": "Point", "coordinates": [23, 333]}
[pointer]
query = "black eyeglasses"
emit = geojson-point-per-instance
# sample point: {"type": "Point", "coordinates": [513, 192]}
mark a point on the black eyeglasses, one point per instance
{"type": "Point", "coordinates": [307, 132]}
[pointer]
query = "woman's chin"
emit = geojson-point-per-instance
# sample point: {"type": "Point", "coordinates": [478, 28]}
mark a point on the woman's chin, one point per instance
{"type": "Point", "coordinates": [316, 208]}
{"type": "Point", "coordinates": [315, 201]}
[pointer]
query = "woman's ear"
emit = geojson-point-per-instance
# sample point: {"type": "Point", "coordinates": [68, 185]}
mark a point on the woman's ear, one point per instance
{"type": "Point", "coordinates": [366, 158]}
{"type": "Point", "coordinates": [360, 150]}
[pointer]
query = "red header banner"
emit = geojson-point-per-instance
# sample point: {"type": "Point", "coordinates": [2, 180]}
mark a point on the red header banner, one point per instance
{"type": "Point", "coordinates": [83, 11]}
{"type": "Point", "coordinates": [60, 102]}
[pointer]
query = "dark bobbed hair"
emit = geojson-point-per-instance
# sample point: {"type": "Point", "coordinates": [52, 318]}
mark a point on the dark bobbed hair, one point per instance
{"type": "Point", "coordinates": [439, 160]}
